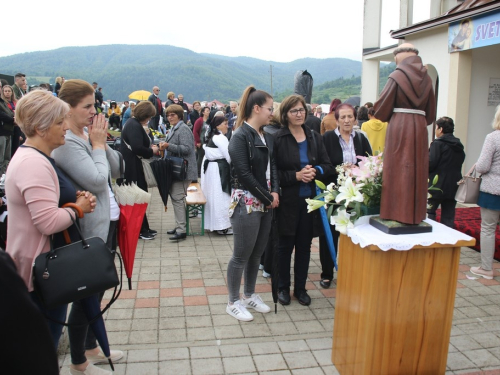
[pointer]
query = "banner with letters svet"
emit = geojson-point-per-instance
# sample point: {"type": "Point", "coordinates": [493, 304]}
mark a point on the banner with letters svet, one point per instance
{"type": "Point", "coordinates": [474, 32]}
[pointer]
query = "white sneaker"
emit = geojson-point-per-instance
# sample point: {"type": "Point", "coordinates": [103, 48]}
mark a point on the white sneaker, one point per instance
{"type": "Point", "coordinates": [116, 355]}
{"type": "Point", "coordinates": [238, 311]}
{"type": "Point", "coordinates": [261, 266]}
{"type": "Point", "coordinates": [265, 274]}
{"type": "Point", "coordinates": [90, 370]}
{"type": "Point", "coordinates": [229, 231]}
{"type": "Point", "coordinates": [256, 303]}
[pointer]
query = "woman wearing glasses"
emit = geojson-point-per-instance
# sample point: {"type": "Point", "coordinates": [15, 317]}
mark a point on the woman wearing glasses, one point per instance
{"type": "Point", "coordinates": [254, 192]}
{"type": "Point", "coordinates": [298, 151]}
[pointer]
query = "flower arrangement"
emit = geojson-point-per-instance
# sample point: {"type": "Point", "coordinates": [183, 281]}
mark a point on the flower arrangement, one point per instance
{"type": "Point", "coordinates": [358, 189]}
{"type": "Point", "coordinates": [157, 133]}
{"type": "Point", "coordinates": [357, 192]}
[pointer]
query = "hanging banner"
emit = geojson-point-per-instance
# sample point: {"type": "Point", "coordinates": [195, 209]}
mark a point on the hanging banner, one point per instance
{"type": "Point", "coordinates": [474, 32]}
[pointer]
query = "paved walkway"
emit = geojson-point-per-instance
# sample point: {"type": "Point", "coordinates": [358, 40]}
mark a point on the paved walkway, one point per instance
{"type": "Point", "coordinates": [174, 319]}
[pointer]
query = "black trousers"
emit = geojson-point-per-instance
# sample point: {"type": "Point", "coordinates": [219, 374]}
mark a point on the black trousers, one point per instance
{"type": "Point", "coordinates": [447, 210]}
{"type": "Point", "coordinates": [324, 254]}
{"type": "Point", "coordinates": [302, 243]}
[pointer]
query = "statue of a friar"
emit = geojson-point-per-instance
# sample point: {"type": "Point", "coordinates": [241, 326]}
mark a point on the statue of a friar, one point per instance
{"type": "Point", "coordinates": [408, 104]}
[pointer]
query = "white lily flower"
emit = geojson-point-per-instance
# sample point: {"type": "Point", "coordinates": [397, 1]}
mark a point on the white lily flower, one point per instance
{"type": "Point", "coordinates": [350, 193]}
{"type": "Point", "coordinates": [342, 221]}
{"type": "Point", "coordinates": [313, 204]}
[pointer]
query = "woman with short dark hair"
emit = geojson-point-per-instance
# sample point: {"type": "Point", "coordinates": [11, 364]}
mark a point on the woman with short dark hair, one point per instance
{"type": "Point", "coordinates": [298, 150]}
{"type": "Point", "coordinates": [135, 145]}
{"type": "Point", "coordinates": [446, 156]}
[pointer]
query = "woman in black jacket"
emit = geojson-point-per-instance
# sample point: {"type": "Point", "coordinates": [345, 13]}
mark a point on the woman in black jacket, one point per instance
{"type": "Point", "coordinates": [136, 144]}
{"type": "Point", "coordinates": [446, 156]}
{"type": "Point", "coordinates": [298, 150]}
{"type": "Point", "coordinates": [254, 181]}
{"type": "Point", "coordinates": [343, 146]}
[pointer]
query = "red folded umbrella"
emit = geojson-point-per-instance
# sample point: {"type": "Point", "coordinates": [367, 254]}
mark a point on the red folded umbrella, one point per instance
{"type": "Point", "coordinates": [133, 203]}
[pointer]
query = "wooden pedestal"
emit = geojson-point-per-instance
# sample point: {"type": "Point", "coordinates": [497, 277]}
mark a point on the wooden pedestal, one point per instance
{"type": "Point", "coordinates": [394, 309]}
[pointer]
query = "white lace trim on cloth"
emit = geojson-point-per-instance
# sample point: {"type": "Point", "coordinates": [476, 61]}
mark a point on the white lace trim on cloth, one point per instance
{"type": "Point", "coordinates": [363, 234]}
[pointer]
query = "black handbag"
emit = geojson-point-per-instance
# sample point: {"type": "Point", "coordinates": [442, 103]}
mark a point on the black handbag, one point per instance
{"type": "Point", "coordinates": [75, 271]}
{"type": "Point", "coordinates": [179, 167]}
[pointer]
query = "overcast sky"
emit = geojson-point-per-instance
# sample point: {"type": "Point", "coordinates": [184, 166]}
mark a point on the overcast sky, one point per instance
{"type": "Point", "coordinates": [276, 30]}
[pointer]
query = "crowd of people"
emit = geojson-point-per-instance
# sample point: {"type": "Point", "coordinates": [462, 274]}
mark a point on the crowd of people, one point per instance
{"type": "Point", "coordinates": [257, 161]}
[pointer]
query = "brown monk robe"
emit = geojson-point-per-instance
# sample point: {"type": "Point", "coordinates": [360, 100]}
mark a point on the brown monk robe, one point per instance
{"type": "Point", "coordinates": [406, 156]}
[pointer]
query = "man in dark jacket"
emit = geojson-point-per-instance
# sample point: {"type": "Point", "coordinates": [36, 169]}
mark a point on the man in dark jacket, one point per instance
{"type": "Point", "coordinates": [446, 156]}
{"type": "Point", "coordinates": [312, 122]}
{"type": "Point", "coordinates": [156, 101]}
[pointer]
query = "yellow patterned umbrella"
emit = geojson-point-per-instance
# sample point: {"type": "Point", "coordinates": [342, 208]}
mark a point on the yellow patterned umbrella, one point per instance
{"type": "Point", "coordinates": [140, 95]}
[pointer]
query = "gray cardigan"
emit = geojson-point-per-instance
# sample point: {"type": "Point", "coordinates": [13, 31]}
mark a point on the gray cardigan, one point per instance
{"type": "Point", "coordinates": [89, 170]}
{"type": "Point", "coordinates": [181, 143]}
{"type": "Point", "coordinates": [488, 164]}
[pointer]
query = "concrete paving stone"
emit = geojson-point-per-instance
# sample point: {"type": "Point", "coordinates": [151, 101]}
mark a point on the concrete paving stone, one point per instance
{"type": "Point", "coordinates": [472, 312]}
{"type": "Point", "coordinates": [191, 276]}
{"type": "Point", "coordinates": [458, 315]}
{"type": "Point", "coordinates": [215, 282]}
{"type": "Point", "coordinates": [308, 371]}
{"type": "Point", "coordinates": [207, 366]}
{"type": "Point", "coordinates": [200, 334]}
{"type": "Point", "coordinates": [491, 310]}
{"type": "Point", "coordinates": [218, 299]}
{"type": "Point", "coordinates": [270, 362]}
{"type": "Point", "coordinates": [170, 262]}
{"type": "Point", "coordinates": [465, 342]}
{"type": "Point", "coordinates": [150, 270]}
{"type": "Point", "coordinates": [118, 338]}
{"type": "Point", "coordinates": [321, 343]}
{"type": "Point", "coordinates": [145, 313]}
{"type": "Point", "coordinates": [144, 324]}
{"type": "Point", "coordinates": [300, 360]}
{"type": "Point", "coordinates": [148, 293]}
{"type": "Point", "coordinates": [172, 323]}
{"type": "Point", "coordinates": [142, 355]}
{"type": "Point", "coordinates": [256, 330]}
{"type": "Point", "coordinates": [323, 313]}
{"type": "Point", "coordinates": [281, 317]}
{"type": "Point", "coordinates": [204, 352]}
{"type": "Point", "coordinates": [280, 372]}
{"type": "Point", "coordinates": [171, 272]}
{"type": "Point", "coordinates": [198, 321]}
{"type": "Point", "coordinates": [298, 315]}
{"type": "Point", "coordinates": [171, 311]}
{"type": "Point", "coordinates": [477, 301]}
{"type": "Point", "coordinates": [485, 290]}
{"type": "Point", "coordinates": [293, 346]}
{"type": "Point", "coordinates": [466, 292]}
{"type": "Point", "coordinates": [172, 301]}
{"type": "Point", "coordinates": [264, 348]}
{"type": "Point", "coordinates": [309, 327]}
{"type": "Point", "coordinates": [452, 349]}
{"type": "Point", "coordinates": [170, 283]}
{"type": "Point", "coordinates": [237, 365]}
{"type": "Point", "coordinates": [223, 319]}
{"type": "Point", "coordinates": [327, 325]}
{"type": "Point", "coordinates": [123, 304]}
{"type": "Point", "coordinates": [149, 277]}
{"type": "Point", "coordinates": [487, 339]}
{"type": "Point", "coordinates": [172, 354]}
{"type": "Point", "coordinates": [237, 350]}
{"type": "Point", "coordinates": [146, 368]}
{"type": "Point", "coordinates": [323, 356]}
{"type": "Point", "coordinates": [458, 361]}
{"type": "Point", "coordinates": [283, 329]}
{"type": "Point", "coordinates": [118, 325]}
{"type": "Point", "coordinates": [482, 358]}
{"type": "Point", "coordinates": [143, 337]}
{"type": "Point", "coordinates": [172, 335]}
{"type": "Point", "coordinates": [455, 331]}
{"type": "Point", "coordinates": [197, 311]}
{"type": "Point", "coordinates": [473, 328]}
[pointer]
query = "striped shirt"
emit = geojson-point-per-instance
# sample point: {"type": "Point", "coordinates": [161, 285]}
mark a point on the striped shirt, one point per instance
{"type": "Point", "coordinates": [348, 151]}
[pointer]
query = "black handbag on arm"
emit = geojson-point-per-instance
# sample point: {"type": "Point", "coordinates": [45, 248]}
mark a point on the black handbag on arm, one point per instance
{"type": "Point", "coordinates": [75, 271]}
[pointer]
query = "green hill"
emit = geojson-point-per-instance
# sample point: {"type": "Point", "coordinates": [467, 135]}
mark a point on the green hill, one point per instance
{"type": "Point", "coordinates": [121, 69]}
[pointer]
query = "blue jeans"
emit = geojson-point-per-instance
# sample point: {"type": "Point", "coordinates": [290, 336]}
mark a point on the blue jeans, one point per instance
{"type": "Point", "coordinates": [59, 314]}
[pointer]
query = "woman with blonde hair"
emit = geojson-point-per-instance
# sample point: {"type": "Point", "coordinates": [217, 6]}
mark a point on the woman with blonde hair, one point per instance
{"type": "Point", "coordinates": [37, 190]}
{"type": "Point", "coordinates": [59, 82]}
{"type": "Point", "coordinates": [488, 166]}
{"type": "Point", "coordinates": [7, 109]}
{"type": "Point", "coordinates": [255, 189]}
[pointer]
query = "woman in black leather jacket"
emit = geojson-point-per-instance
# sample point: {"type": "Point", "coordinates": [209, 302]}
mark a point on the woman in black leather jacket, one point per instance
{"type": "Point", "coordinates": [298, 150]}
{"type": "Point", "coordinates": [254, 192]}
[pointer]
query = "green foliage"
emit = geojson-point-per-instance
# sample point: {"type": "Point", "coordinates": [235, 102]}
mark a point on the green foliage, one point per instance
{"type": "Point", "coordinates": [121, 69]}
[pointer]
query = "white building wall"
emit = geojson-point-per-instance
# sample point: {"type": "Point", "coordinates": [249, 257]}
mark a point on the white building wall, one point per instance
{"type": "Point", "coordinates": [485, 66]}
